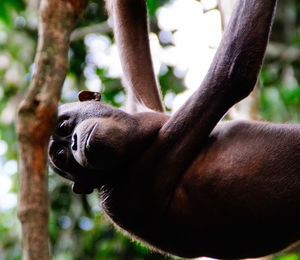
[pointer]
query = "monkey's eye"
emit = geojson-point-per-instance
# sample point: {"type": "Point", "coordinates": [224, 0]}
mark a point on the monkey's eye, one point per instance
{"type": "Point", "coordinates": [63, 128]}
{"type": "Point", "coordinates": [61, 156]}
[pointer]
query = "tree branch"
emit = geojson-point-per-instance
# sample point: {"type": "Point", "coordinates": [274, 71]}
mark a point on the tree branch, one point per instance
{"type": "Point", "coordinates": [80, 33]}
{"type": "Point", "coordinates": [35, 120]}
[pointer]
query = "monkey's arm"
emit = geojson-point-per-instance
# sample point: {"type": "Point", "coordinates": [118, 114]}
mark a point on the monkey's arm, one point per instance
{"type": "Point", "coordinates": [131, 34]}
{"type": "Point", "coordinates": [231, 77]}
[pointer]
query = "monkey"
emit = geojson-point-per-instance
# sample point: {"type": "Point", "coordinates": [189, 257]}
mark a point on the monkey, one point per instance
{"type": "Point", "coordinates": [188, 184]}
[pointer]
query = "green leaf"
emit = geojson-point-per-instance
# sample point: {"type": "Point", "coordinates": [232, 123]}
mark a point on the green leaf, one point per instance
{"type": "Point", "coordinates": [5, 15]}
{"type": "Point", "coordinates": [152, 6]}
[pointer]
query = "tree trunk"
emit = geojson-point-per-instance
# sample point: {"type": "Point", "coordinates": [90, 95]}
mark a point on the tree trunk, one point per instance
{"type": "Point", "coordinates": [249, 107]}
{"type": "Point", "coordinates": [36, 118]}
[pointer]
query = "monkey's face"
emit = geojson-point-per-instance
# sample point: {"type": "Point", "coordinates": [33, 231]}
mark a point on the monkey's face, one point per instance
{"type": "Point", "coordinates": [90, 143]}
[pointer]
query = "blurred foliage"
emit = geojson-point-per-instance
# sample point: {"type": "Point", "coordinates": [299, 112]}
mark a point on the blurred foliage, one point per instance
{"type": "Point", "coordinates": [6, 8]}
{"type": "Point", "coordinates": [78, 228]}
{"type": "Point", "coordinates": [280, 95]}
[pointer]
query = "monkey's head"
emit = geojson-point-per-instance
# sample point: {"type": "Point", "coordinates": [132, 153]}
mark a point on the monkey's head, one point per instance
{"type": "Point", "coordinates": [91, 142]}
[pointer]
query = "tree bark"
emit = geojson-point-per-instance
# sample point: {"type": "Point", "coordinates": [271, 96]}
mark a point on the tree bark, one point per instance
{"type": "Point", "coordinates": [36, 117]}
{"type": "Point", "coordinates": [249, 107]}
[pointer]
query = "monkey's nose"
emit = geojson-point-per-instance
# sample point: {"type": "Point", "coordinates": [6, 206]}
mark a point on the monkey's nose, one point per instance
{"type": "Point", "coordinates": [74, 142]}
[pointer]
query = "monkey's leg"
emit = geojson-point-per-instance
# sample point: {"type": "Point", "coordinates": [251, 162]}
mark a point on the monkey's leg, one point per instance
{"type": "Point", "coordinates": [131, 34]}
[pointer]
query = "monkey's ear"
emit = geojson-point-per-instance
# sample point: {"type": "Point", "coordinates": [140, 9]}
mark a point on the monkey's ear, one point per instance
{"type": "Point", "coordinates": [81, 188]}
{"type": "Point", "coordinates": [86, 95]}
